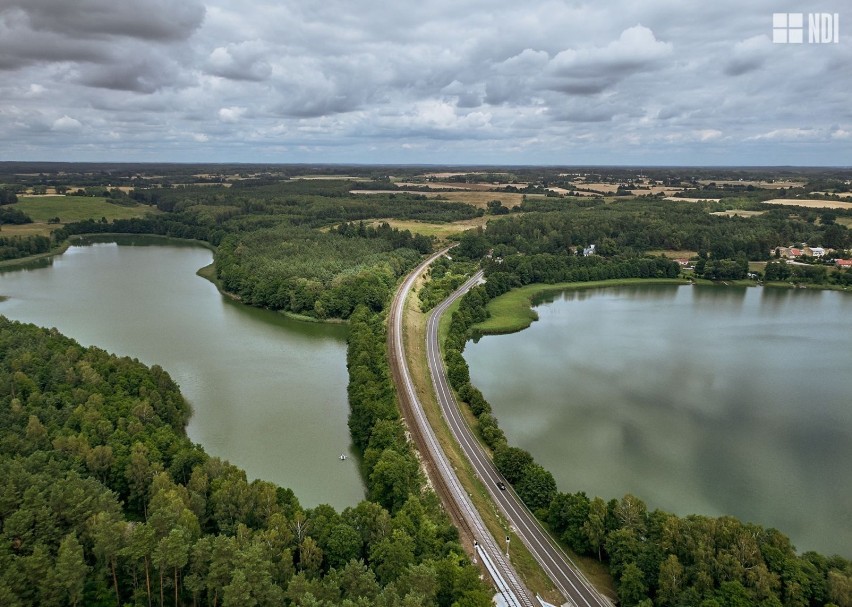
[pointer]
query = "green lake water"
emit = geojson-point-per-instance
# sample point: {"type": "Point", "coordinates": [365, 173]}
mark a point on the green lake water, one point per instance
{"type": "Point", "coordinates": [268, 393]}
{"type": "Point", "coordinates": [708, 400]}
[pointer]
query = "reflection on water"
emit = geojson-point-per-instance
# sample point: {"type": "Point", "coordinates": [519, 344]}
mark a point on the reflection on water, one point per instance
{"type": "Point", "coordinates": [268, 393]}
{"type": "Point", "coordinates": [711, 400]}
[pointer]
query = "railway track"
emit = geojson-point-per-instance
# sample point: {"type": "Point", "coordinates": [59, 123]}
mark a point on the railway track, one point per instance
{"type": "Point", "coordinates": [444, 479]}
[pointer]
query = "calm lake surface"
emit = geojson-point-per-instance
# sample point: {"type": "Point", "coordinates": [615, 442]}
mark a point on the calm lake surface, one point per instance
{"type": "Point", "coordinates": [268, 393]}
{"type": "Point", "coordinates": [709, 400]}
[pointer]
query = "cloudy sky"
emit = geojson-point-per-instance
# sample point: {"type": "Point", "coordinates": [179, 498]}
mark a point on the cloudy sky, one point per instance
{"type": "Point", "coordinates": [427, 81]}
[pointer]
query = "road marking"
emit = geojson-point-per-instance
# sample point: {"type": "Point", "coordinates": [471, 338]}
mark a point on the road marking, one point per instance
{"type": "Point", "coordinates": [533, 535]}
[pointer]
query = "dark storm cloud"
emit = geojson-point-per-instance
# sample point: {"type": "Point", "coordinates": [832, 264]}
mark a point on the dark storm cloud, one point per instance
{"type": "Point", "coordinates": [155, 20]}
{"type": "Point", "coordinates": [143, 76]}
{"type": "Point", "coordinates": [540, 81]}
{"type": "Point", "coordinates": [104, 43]}
{"type": "Point", "coordinates": [20, 47]}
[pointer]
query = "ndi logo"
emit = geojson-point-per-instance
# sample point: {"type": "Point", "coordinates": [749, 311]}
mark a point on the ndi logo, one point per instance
{"type": "Point", "coordinates": [789, 28]}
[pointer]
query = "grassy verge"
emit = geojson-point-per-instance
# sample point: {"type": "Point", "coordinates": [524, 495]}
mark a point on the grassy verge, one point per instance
{"type": "Point", "coordinates": [444, 325]}
{"type": "Point", "coordinates": [821, 287]}
{"type": "Point", "coordinates": [512, 311]}
{"type": "Point", "coordinates": [529, 569]}
{"type": "Point", "coordinates": [415, 348]}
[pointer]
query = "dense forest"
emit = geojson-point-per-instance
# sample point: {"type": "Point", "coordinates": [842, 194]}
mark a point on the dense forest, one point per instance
{"type": "Point", "coordinates": [546, 246]}
{"type": "Point", "coordinates": [639, 225]}
{"type": "Point", "coordinates": [655, 558]}
{"type": "Point", "coordinates": [269, 252]}
{"type": "Point", "coordinates": [105, 501]}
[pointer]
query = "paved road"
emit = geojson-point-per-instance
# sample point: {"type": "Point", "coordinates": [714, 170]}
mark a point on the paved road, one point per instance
{"type": "Point", "coordinates": [561, 570]}
{"type": "Point", "coordinates": [440, 470]}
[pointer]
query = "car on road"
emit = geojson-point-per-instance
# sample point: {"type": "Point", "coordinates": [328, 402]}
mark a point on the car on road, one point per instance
{"type": "Point", "coordinates": [501, 485]}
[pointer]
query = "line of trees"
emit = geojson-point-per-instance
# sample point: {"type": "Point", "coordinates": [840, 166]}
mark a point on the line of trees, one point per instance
{"type": "Point", "coordinates": [15, 247]}
{"type": "Point", "coordinates": [781, 271]}
{"type": "Point", "coordinates": [105, 501]}
{"type": "Point", "coordinates": [14, 216]}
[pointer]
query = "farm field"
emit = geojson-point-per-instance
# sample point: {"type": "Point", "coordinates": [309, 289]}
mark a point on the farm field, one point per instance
{"type": "Point", "coordinates": [814, 204]}
{"type": "Point", "coordinates": [738, 213]}
{"type": "Point", "coordinates": [682, 254]}
{"type": "Point", "coordinates": [477, 199]}
{"type": "Point", "coordinates": [768, 185]}
{"type": "Point", "coordinates": [438, 230]}
{"type": "Point", "coordinates": [28, 229]}
{"type": "Point", "coordinates": [682, 199]}
{"type": "Point", "coordinates": [76, 208]}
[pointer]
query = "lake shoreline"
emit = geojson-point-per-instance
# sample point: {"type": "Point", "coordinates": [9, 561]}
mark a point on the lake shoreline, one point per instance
{"type": "Point", "coordinates": [267, 392]}
{"type": "Point", "coordinates": [582, 385]}
{"type": "Point", "coordinates": [514, 310]}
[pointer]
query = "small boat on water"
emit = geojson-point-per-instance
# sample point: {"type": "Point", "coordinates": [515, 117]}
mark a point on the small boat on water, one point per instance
{"type": "Point", "coordinates": [342, 456]}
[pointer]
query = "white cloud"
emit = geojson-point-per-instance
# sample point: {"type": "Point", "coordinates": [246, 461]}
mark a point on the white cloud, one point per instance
{"type": "Point", "coordinates": [243, 61]}
{"type": "Point", "coordinates": [66, 124]}
{"type": "Point", "coordinates": [785, 134]}
{"type": "Point", "coordinates": [590, 70]}
{"type": "Point", "coordinates": [35, 90]}
{"type": "Point", "coordinates": [231, 114]}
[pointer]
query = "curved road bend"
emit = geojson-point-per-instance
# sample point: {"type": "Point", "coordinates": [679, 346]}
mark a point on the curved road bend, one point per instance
{"type": "Point", "coordinates": [558, 566]}
{"type": "Point", "coordinates": [443, 477]}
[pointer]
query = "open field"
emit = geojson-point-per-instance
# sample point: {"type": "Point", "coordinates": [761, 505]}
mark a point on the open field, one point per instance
{"type": "Point", "coordinates": [846, 221]}
{"type": "Point", "coordinates": [481, 199]}
{"type": "Point", "coordinates": [738, 213]}
{"type": "Point", "coordinates": [839, 194]}
{"type": "Point", "coordinates": [477, 199]}
{"type": "Point", "coordinates": [330, 177]}
{"type": "Point", "coordinates": [814, 204]}
{"type": "Point", "coordinates": [433, 186]}
{"type": "Point", "coordinates": [681, 254]}
{"type": "Point", "coordinates": [512, 311]}
{"type": "Point", "coordinates": [682, 199]}
{"type": "Point", "coordinates": [77, 208]}
{"type": "Point", "coordinates": [438, 230]}
{"type": "Point", "coordinates": [603, 188]}
{"type": "Point", "coordinates": [427, 194]}
{"type": "Point", "coordinates": [473, 187]}
{"type": "Point", "coordinates": [657, 189]}
{"type": "Point", "coordinates": [28, 229]}
{"type": "Point", "coordinates": [447, 175]}
{"type": "Point", "coordinates": [767, 185]}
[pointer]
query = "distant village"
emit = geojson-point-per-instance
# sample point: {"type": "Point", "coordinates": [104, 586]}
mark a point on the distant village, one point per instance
{"type": "Point", "coordinates": [805, 251]}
